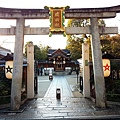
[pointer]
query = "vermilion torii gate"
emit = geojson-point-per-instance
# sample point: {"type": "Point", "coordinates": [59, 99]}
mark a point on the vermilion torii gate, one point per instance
{"type": "Point", "coordinates": [20, 30]}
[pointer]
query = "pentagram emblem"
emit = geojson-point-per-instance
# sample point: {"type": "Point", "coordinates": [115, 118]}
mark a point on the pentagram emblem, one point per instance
{"type": "Point", "coordinates": [106, 67]}
{"type": "Point", "coordinates": [9, 69]}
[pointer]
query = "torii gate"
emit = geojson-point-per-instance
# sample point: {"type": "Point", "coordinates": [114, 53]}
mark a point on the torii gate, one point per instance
{"type": "Point", "coordinates": [20, 30]}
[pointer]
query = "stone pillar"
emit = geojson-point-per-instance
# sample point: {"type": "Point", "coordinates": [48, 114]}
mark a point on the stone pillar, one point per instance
{"type": "Point", "coordinates": [17, 65]}
{"type": "Point", "coordinates": [86, 73]}
{"type": "Point", "coordinates": [30, 70]}
{"type": "Point", "coordinates": [97, 64]}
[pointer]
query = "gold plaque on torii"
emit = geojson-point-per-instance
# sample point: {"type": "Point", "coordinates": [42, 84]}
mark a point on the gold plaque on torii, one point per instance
{"type": "Point", "coordinates": [57, 19]}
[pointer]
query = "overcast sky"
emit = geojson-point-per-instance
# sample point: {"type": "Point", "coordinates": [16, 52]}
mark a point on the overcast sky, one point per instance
{"type": "Point", "coordinates": [53, 3]}
{"type": "Point", "coordinates": [55, 41]}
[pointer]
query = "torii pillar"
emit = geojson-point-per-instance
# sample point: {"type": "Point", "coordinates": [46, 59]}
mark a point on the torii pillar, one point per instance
{"type": "Point", "coordinates": [97, 64]}
{"type": "Point", "coordinates": [30, 70]}
{"type": "Point", "coordinates": [17, 65]}
{"type": "Point", "coordinates": [94, 30]}
{"type": "Point", "coordinates": [86, 71]}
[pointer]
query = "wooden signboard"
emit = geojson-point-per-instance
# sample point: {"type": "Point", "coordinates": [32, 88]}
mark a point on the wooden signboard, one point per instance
{"type": "Point", "coordinates": [57, 20]}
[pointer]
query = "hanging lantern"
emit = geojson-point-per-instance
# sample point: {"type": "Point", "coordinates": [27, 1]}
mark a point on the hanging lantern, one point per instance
{"type": "Point", "coordinates": [54, 62]}
{"type": "Point", "coordinates": [64, 62]}
{"type": "Point", "coordinates": [9, 69]}
{"type": "Point", "coordinates": [106, 67]}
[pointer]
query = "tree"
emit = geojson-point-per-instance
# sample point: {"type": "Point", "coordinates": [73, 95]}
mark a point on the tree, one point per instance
{"type": "Point", "coordinates": [111, 44]}
{"type": "Point", "coordinates": [37, 52]}
{"type": "Point", "coordinates": [43, 52]}
{"type": "Point", "coordinates": [40, 52]}
{"type": "Point", "coordinates": [74, 42]}
{"type": "Point", "coordinates": [75, 47]}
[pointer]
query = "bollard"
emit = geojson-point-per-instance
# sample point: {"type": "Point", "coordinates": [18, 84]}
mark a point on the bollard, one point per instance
{"type": "Point", "coordinates": [58, 93]}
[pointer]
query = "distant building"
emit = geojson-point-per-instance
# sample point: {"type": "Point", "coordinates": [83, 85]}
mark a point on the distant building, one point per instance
{"type": "Point", "coordinates": [58, 59]}
{"type": "Point", "coordinates": [4, 52]}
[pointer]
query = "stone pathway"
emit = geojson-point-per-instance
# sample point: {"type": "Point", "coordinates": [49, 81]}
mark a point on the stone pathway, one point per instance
{"type": "Point", "coordinates": [59, 82]}
{"type": "Point", "coordinates": [67, 107]}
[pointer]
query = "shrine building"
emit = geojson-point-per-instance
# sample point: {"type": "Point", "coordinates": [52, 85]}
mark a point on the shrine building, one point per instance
{"type": "Point", "coordinates": [59, 60]}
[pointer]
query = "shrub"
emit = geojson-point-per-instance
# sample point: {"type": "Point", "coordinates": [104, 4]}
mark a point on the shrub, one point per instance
{"type": "Point", "coordinates": [113, 97]}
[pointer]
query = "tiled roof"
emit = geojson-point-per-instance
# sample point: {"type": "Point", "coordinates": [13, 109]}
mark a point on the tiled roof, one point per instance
{"type": "Point", "coordinates": [51, 51]}
{"type": "Point", "coordinates": [4, 51]}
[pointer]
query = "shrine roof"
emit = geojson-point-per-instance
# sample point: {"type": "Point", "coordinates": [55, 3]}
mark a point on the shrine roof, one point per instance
{"type": "Point", "coordinates": [53, 51]}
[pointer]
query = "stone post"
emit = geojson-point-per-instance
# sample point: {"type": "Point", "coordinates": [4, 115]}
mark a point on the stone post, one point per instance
{"type": "Point", "coordinates": [30, 70]}
{"type": "Point", "coordinates": [17, 65]}
{"type": "Point", "coordinates": [86, 73]}
{"type": "Point", "coordinates": [97, 64]}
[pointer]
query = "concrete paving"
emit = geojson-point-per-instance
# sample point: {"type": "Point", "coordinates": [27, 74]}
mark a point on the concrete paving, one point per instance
{"type": "Point", "coordinates": [43, 84]}
{"type": "Point", "coordinates": [69, 106]}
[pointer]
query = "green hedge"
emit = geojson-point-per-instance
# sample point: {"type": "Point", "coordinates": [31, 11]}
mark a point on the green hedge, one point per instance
{"type": "Point", "coordinates": [113, 97]}
{"type": "Point", "coordinates": [4, 99]}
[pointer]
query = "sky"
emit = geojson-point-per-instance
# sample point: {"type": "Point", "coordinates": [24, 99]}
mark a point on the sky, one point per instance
{"type": "Point", "coordinates": [56, 41]}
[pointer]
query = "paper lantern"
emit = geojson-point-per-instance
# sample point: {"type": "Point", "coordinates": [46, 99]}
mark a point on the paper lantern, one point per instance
{"type": "Point", "coordinates": [106, 67]}
{"type": "Point", "coordinates": [54, 62]}
{"type": "Point", "coordinates": [64, 62]}
{"type": "Point", "coordinates": [9, 69]}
